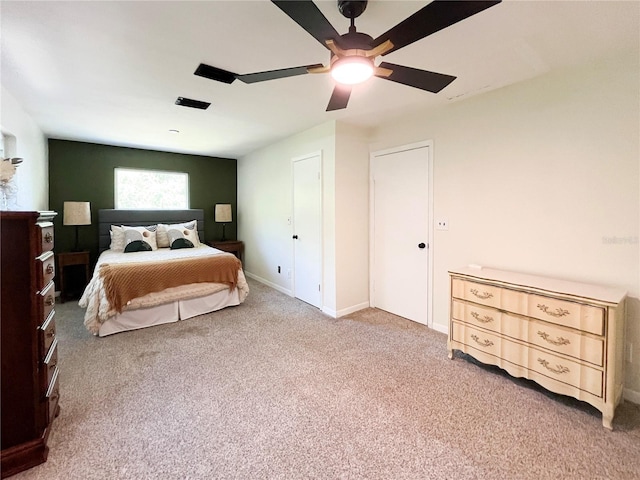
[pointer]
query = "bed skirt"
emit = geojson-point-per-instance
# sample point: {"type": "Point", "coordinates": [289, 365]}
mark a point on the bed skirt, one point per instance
{"type": "Point", "coordinates": [169, 312]}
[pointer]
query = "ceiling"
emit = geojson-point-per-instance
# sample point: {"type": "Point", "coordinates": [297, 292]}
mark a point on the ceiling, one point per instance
{"type": "Point", "coordinates": [110, 72]}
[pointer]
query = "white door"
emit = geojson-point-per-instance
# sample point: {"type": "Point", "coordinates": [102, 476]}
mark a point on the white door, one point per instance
{"type": "Point", "coordinates": [307, 217]}
{"type": "Point", "coordinates": [400, 232]}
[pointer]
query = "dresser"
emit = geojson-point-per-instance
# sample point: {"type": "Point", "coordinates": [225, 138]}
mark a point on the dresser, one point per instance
{"type": "Point", "coordinates": [30, 386]}
{"type": "Point", "coordinates": [566, 336]}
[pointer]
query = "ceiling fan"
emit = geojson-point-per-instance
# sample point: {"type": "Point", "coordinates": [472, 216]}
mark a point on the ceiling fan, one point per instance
{"type": "Point", "coordinates": [353, 54]}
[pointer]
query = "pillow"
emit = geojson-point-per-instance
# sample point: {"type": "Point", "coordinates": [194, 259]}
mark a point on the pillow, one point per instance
{"type": "Point", "coordinates": [146, 234]}
{"type": "Point", "coordinates": [163, 239]}
{"type": "Point", "coordinates": [117, 238]}
{"type": "Point", "coordinates": [177, 238]}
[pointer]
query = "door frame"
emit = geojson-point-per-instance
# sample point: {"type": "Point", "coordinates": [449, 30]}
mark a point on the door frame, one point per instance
{"type": "Point", "coordinates": [379, 153]}
{"type": "Point", "coordinates": [317, 153]}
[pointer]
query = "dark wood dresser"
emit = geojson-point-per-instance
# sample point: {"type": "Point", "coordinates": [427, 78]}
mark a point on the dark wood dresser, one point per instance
{"type": "Point", "coordinates": [30, 389]}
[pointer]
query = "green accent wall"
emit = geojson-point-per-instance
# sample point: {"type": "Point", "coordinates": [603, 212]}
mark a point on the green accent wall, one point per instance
{"type": "Point", "coordinates": [83, 172]}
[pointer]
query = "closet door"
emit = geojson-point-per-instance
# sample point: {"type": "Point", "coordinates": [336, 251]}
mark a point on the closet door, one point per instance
{"type": "Point", "coordinates": [400, 232]}
{"type": "Point", "coordinates": [307, 235]}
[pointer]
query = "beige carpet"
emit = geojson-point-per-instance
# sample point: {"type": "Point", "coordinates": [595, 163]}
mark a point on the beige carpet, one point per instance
{"type": "Point", "coordinates": [274, 389]}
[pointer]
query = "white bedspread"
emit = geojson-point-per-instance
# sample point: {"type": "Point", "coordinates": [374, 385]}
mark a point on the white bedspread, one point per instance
{"type": "Point", "coordinates": [95, 301]}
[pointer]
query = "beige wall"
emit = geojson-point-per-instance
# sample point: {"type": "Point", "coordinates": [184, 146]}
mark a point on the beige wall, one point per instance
{"type": "Point", "coordinates": [32, 176]}
{"type": "Point", "coordinates": [352, 219]}
{"type": "Point", "coordinates": [265, 203]}
{"type": "Point", "coordinates": [540, 177]}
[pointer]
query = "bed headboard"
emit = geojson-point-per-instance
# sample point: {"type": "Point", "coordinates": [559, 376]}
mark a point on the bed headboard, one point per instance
{"type": "Point", "coordinates": [108, 217]}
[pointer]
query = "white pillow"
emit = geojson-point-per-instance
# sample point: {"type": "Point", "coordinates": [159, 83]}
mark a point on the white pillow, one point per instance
{"type": "Point", "coordinates": [178, 239]}
{"type": "Point", "coordinates": [117, 238]}
{"type": "Point", "coordinates": [148, 235]}
{"type": "Point", "coordinates": [189, 230]}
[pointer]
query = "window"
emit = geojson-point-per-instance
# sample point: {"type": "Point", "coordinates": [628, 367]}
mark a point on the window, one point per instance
{"type": "Point", "coordinates": [151, 189]}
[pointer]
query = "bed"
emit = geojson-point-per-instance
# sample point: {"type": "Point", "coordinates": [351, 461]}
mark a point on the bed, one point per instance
{"type": "Point", "coordinates": [152, 286]}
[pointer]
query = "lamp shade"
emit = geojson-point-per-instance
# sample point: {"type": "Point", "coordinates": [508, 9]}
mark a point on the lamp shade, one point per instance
{"type": "Point", "coordinates": [223, 212]}
{"type": "Point", "coordinates": [77, 213]}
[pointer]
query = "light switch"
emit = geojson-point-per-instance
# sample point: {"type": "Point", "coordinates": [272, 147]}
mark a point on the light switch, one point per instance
{"type": "Point", "coordinates": [442, 224]}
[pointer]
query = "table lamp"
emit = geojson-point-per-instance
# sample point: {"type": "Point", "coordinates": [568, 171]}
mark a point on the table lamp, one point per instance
{"type": "Point", "coordinates": [77, 213]}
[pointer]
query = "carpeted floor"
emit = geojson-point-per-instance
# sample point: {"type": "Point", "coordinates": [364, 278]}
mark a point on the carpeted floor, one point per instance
{"type": "Point", "coordinates": [274, 389]}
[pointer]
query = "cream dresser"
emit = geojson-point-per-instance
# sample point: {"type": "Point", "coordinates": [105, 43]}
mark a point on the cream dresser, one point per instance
{"type": "Point", "coordinates": [566, 336]}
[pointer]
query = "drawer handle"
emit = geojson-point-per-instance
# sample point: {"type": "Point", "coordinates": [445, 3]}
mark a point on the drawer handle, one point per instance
{"type": "Point", "coordinates": [559, 341]}
{"type": "Point", "coordinates": [560, 369]}
{"type": "Point", "coordinates": [485, 319]}
{"type": "Point", "coordinates": [558, 313]}
{"type": "Point", "coordinates": [50, 333]}
{"type": "Point", "coordinates": [49, 269]}
{"type": "Point", "coordinates": [484, 343]}
{"type": "Point", "coordinates": [54, 396]}
{"type": "Point", "coordinates": [52, 366]}
{"type": "Point", "coordinates": [50, 301]}
{"type": "Point", "coordinates": [48, 238]}
{"type": "Point", "coordinates": [483, 295]}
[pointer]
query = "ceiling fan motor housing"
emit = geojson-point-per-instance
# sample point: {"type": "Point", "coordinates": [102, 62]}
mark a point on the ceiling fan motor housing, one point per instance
{"type": "Point", "coordinates": [351, 9]}
{"type": "Point", "coordinates": [355, 40]}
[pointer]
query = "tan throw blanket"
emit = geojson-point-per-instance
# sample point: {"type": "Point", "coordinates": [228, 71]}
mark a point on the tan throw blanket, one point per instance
{"type": "Point", "coordinates": [125, 281]}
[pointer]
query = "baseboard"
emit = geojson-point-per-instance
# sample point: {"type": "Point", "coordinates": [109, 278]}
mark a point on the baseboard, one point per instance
{"type": "Point", "coordinates": [353, 308]}
{"type": "Point", "coordinates": [329, 311]}
{"type": "Point", "coordinates": [631, 396]}
{"type": "Point", "coordinates": [441, 328]}
{"type": "Point", "coordinates": [268, 283]}
{"type": "Point", "coordinates": [345, 311]}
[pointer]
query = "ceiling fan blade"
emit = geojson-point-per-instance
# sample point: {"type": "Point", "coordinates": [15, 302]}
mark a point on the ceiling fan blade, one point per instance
{"type": "Point", "coordinates": [430, 19]}
{"type": "Point", "coordinates": [413, 77]}
{"type": "Point", "coordinates": [339, 97]}
{"type": "Point", "coordinates": [215, 73]}
{"type": "Point", "coordinates": [308, 16]}
{"type": "Point", "coordinates": [274, 74]}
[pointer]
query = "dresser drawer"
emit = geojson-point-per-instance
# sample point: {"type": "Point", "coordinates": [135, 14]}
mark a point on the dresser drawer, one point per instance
{"type": "Point", "coordinates": [490, 295]}
{"type": "Point", "coordinates": [571, 314]}
{"type": "Point", "coordinates": [572, 373]}
{"type": "Point", "coordinates": [477, 315]}
{"type": "Point", "coordinates": [487, 342]}
{"type": "Point", "coordinates": [46, 267]}
{"type": "Point", "coordinates": [546, 335]}
{"type": "Point", "coordinates": [47, 300]}
{"type": "Point", "coordinates": [50, 364]}
{"type": "Point", "coordinates": [47, 333]}
{"type": "Point", "coordinates": [560, 369]}
{"type": "Point", "coordinates": [46, 237]}
{"type": "Point", "coordinates": [569, 342]}
{"type": "Point", "coordinates": [52, 397]}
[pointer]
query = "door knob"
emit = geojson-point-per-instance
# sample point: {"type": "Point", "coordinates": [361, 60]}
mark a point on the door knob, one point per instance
{"type": "Point", "coordinates": [421, 245]}
{"type": "Point", "coordinates": [295, 237]}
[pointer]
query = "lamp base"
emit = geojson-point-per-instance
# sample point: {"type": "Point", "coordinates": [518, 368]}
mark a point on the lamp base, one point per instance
{"type": "Point", "coordinates": [224, 238]}
{"type": "Point", "coordinates": [76, 248]}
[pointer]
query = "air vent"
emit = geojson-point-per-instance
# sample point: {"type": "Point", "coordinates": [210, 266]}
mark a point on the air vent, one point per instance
{"type": "Point", "coordinates": [213, 73]}
{"type": "Point", "coordinates": [188, 102]}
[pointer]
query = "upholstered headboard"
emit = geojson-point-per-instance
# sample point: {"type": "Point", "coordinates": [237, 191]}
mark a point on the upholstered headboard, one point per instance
{"type": "Point", "coordinates": [108, 217]}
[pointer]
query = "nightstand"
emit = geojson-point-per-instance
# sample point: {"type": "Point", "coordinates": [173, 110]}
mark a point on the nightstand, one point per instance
{"type": "Point", "coordinates": [68, 259]}
{"type": "Point", "coordinates": [232, 246]}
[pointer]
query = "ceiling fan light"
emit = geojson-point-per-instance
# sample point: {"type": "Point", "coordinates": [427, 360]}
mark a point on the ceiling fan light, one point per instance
{"type": "Point", "coordinates": [352, 70]}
